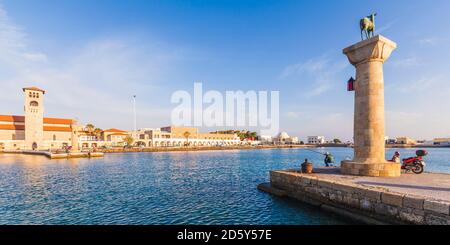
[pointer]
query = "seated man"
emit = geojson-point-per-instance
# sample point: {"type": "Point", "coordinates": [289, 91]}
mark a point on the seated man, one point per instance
{"type": "Point", "coordinates": [396, 157]}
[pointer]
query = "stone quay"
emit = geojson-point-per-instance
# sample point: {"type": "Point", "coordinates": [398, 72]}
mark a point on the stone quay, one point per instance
{"type": "Point", "coordinates": [410, 199]}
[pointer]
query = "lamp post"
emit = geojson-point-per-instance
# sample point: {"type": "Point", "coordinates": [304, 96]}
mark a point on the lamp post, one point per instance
{"type": "Point", "coordinates": [134, 116]}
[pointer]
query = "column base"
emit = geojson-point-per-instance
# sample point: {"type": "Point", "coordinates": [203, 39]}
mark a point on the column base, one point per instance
{"type": "Point", "coordinates": [384, 169]}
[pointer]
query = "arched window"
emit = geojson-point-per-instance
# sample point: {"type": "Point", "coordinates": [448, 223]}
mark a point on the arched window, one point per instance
{"type": "Point", "coordinates": [54, 137]}
{"type": "Point", "coordinates": [34, 103]}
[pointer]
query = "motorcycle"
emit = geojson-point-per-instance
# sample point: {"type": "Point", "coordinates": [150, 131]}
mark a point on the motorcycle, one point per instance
{"type": "Point", "coordinates": [415, 164]}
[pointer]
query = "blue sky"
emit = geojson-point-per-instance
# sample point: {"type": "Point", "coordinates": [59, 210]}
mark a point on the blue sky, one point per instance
{"type": "Point", "coordinates": [91, 56]}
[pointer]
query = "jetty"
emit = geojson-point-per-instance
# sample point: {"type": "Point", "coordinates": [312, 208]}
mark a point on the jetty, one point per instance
{"type": "Point", "coordinates": [52, 155]}
{"type": "Point", "coordinates": [409, 199]}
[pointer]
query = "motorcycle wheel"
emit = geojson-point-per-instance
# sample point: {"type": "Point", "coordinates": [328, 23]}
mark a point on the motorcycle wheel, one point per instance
{"type": "Point", "coordinates": [418, 169]}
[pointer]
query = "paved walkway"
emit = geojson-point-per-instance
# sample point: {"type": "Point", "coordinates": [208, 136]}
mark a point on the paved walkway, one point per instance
{"type": "Point", "coordinates": [431, 185]}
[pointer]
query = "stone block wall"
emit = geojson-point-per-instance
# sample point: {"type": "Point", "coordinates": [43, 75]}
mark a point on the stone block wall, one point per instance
{"type": "Point", "coordinates": [373, 202]}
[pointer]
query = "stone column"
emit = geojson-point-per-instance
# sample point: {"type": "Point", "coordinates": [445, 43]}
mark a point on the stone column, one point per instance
{"type": "Point", "coordinates": [368, 57]}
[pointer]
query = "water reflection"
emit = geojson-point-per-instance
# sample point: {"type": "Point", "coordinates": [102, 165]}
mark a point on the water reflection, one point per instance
{"type": "Point", "coordinates": [161, 188]}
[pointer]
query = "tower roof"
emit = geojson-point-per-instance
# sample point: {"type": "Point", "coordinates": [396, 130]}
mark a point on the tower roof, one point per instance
{"type": "Point", "coordinates": [34, 89]}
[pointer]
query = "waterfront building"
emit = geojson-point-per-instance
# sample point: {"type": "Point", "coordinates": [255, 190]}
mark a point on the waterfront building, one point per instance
{"type": "Point", "coordinates": [441, 141]}
{"type": "Point", "coordinates": [107, 138]}
{"type": "Point", "coordinates": [33, 131]}
{"type": "Point", "coordinates": [265, 139]}
{"type": "Point", "coordinates": [316, 140]}
{"type": "Point", "coordinates": [182, 136]}
{"type": "Point", "coordinates": [390, 141]}
{"type": "Point", "coordinates": [293, 140]}
{"type": "Point", "coordinates": [406, 141]}
{"type": "Point", "coordinates": [284, 138]}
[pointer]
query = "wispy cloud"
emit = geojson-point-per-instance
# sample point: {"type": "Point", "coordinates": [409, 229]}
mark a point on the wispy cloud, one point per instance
{"type": "Point", "coordinates": [406, 62]}
{"type": "Point", "coordinates": [321, 72]}
{"type": "Point", "coordinates": [310, 66]}
{"type": "Point", "coordinates": [421, 85]}
{"type": "Point", "coordinates": [92, 82]}
{"type": "Point", "coordinates": [386, 27]}
{"type": "Point", "coordinates": [432, 41]}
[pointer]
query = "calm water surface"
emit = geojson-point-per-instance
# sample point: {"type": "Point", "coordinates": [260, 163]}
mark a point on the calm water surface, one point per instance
{"type": "Point", "coordinates": [162, 188]}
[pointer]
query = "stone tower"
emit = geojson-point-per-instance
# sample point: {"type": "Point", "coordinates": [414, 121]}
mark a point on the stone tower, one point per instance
{"type": "Point", "coordinates": [34, 118]}
{"type": "Point", "coordinates": [368, 57]}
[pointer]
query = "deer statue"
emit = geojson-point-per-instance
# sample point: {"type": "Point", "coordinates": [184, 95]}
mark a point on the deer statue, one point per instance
{"type": "Point", "coordinates": [367, 25]}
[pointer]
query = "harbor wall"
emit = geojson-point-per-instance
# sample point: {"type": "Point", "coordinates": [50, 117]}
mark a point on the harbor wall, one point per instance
{"type": "Point", "coordinates": [353, 199]}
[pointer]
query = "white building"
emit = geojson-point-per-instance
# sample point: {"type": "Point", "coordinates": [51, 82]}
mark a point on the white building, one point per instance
{"type": "Point", "coordinates": [441, 141]}
{"type": "Point", "coordinates": [316, 140]}
{"type": "Point", "coordinates": [183, 136]}
{"type": "Point", "coordinates": [293, 140]}
{"type": "Point", "coordinates": [265, 139]}
{"type": "Point", "coordinates": [283, 138]}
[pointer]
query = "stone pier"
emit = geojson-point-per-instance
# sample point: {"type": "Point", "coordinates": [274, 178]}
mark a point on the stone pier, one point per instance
{"type": "Point", "coordinates": [410, 199]}
{"type": "Point", "coordinates": [368, 57]}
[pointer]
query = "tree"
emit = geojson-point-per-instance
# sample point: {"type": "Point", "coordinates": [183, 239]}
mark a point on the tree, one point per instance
{"type": "Point", "coordinates": [187, 135]}
{"type": "Point", "coordinates": [337, 141]}
{"type": "Point", "coordinates": [128, 140]}
{"type": "Point", "coordinates": [90, 128]}
{"type": "Point", "coordinates": [98, 133]}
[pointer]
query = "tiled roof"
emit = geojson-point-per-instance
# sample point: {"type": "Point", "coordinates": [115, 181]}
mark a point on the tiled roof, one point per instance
{"type": "Point", "coordinates": [57, 129]}
{"type": "Point", "coordinates": [57, 120]}
{"type": "Point", "coordinates": [22, 127]}
{"type": "Point", "coordinates": [34, 89]}
{"type": "Point", "coordinates": [11, 127]}
{"type": "Point", "coordinates": [13, 118]}
{"type": "Point", "coordinates": [114, 130]}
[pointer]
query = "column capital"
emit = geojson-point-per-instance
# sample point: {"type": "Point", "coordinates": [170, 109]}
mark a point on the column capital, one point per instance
{"type": "Point", "coordinates": [377, 48]}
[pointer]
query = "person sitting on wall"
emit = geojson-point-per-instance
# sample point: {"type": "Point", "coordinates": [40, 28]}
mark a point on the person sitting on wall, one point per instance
{"type": "Point", "coordinates": [396, 157]}
{"type": "Point", "coordinates": [329, 160]}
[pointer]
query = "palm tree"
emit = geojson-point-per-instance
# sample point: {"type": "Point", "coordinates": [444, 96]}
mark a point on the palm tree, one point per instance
{"type": "Point", "coordinates": [337, 141]}
{"type": "Point", "coordinates": [128, 140]}
{"type": "Point", "coordinates": [98, 133]}
{"type": "Point", "coordinates": [187, 135]}
{"type": "Point", "coordinates": [90, 128]}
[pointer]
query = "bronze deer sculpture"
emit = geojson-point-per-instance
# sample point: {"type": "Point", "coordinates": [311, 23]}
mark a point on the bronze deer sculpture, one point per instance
{"type": "Point", "coordinates": [367, 25]}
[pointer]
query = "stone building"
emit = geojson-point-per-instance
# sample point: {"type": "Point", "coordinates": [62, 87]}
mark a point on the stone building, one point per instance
{"type": "Point", "coordinates": [284, 138]}
{"type": "Point", "coordinates": [316, 140]}
{"type": "Point", "coordinates": [441, 141]}
{"type": "Point", "coordinates": [406, 141]}
{"type": "Point", "coordinates": [181, 136]}
{"type": "Point", "coordinates": [107, 138]}
{"type": "Point", "coordinates": [33, 131]}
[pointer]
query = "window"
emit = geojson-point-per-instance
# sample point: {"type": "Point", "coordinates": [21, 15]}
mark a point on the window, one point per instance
{"type": "Point", "coordinates": [30, 94]}
{"type": "Point", "coordinates": [34, 103]}
{"type": "Point", "coordinates": [13, 137]}
{"type": "Point", "coordinates": [54, 137]}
